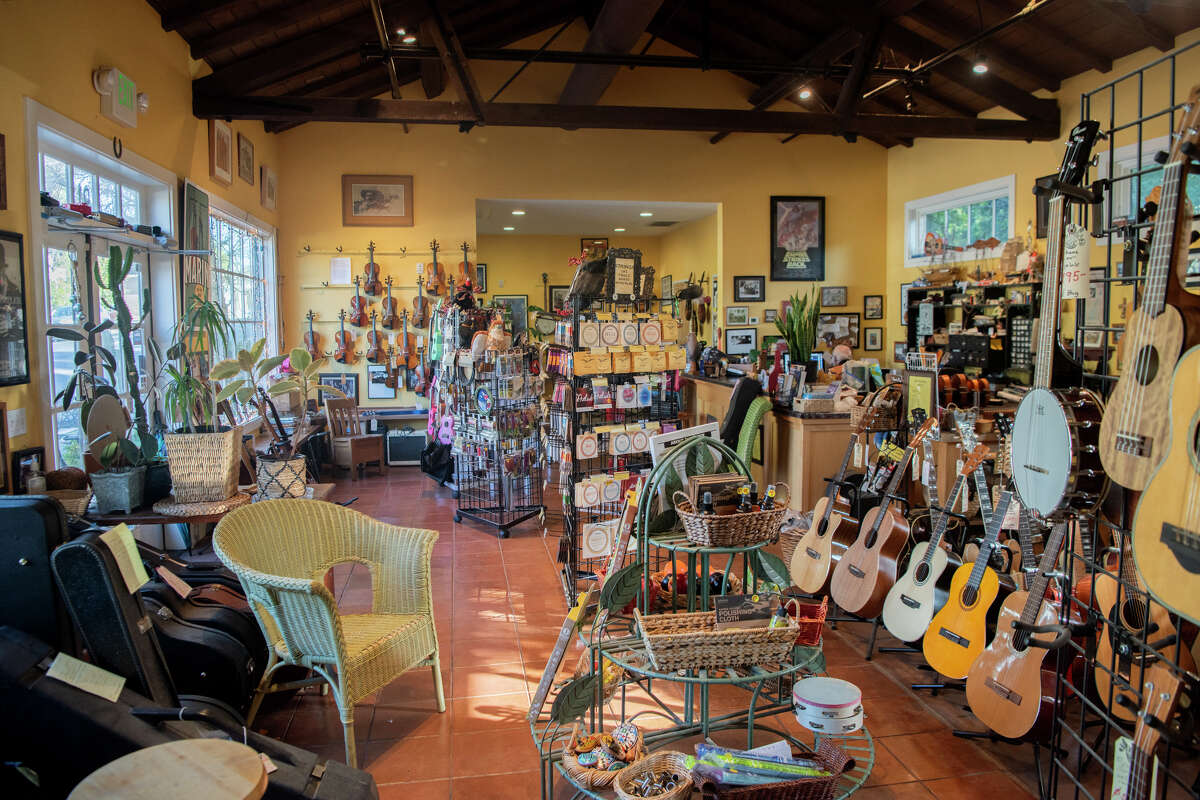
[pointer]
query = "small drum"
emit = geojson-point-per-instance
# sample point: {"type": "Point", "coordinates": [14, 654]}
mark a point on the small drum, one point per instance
{"type": "Point", "coordinates": [828, 705]}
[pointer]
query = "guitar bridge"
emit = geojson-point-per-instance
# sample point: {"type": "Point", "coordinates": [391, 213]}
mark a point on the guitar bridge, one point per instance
{"type": "Point", "coordinates": [813, 554]}
{"type": "Point", "coordinates": [1004, 691]}
{"type": "Point", "coordinates": [1183, 544]}
{"type": "Point", "coordinates": [961, 641]}
{"type": "Point", "coordinates": [856, 572]}
{"type": "Point", "coordinates": [908, 601]}
{"type": "Point", "coordinates": [1133, 444]}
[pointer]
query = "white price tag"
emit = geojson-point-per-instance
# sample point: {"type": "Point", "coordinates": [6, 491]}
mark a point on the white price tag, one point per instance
{"type": "Point", "coordinates": [1075, 263]}
{"type": "Point", "coordinates": [916, 468]}
{"type": "Point", "coordinates": [858, 454]}
{"type": "Point", "coordinates": [420, 269]}
{"type": "Point", "coordinates": [965, 498]}
{"type": "Point", "coordinates": [1012, 517]}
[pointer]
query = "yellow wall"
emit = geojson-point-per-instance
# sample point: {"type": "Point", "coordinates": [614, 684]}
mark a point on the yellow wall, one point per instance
{"type": "Point", "coordinates": [48, 49]}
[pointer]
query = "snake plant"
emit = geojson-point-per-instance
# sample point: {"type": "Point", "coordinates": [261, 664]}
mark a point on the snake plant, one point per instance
{"type": "Point", "coordinates": [799, 325]}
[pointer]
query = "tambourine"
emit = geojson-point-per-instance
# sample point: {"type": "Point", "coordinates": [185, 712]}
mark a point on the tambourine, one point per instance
{"type": "Point", "coordinates": [828, 705]}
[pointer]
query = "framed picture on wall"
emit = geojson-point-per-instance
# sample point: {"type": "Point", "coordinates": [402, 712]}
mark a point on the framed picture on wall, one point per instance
{"type": "Point", "coordinates": [835, 329]}
{"type": "Point", "coordinates": [23, 464]}
{"type": "Point", "coordinates": [749, 288]}
{"type": "Point", "coordinates": [517, 306]}
{"type": "Point", "coordinates": [874, 339]}
{"type": "Point", "coordinates": [737, 315]}
{"type": "Point", "coordinates": [377, 388]}
{"type": "Point", "coordinates": [1192, 277]}
{"type": "Point", "coordinates": [268, 188]}
{"type": "Point", "coordinates": [593, 248]}
{"type": "Point", "coordinates": [14, 336]}
{"type": "Point", "coordinates": [1043, 206]}
{"type": "Point", "coordinates": [904, 287]}
{"type": "Point", "coordinates": [770, 314]}
{"type": "Point", "coordinates": [873, 306]}
{"type": "Point", "coordinates": [346, 381]}
{"type": "Point", "coordinates": [797, 238]}
{"type": "Point", "coordinates": [833, 296]}
{"type": "Point", "coordinates": [220, 151]}
{"type": "Point", "coordinates": [899, 352]}
{"type": "Point", "coordinates": [377, 200]}
{"type": "Point", "coordinates": [740, 341]}
{"type": "Point", "coordinates": [480, 278]}
{"type": "Point", "coordinates": [245, 158]}
{"type": "Point", "coordinates": [558, 297]}
{"type": "Point", "coordinates": [666, 289]}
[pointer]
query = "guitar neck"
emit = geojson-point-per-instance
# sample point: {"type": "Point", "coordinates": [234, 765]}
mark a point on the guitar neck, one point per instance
{"type": "Point", "coordinates": [892, 485]}
{"type": "Point", "coordinates": [831, 491]}
{"type": "Point", "coordinates": [1041, 580]}
{"type": "Point", "coordinates": [1162, 248]}
{"type": "Point", "coordinates": [943, 522]}
{"type": "Point", "coordinates": [1025, 534]}
{"type": "Point", "coordinates": [1051, 294]}
{"type": "Point", "coordinates": [991, 532]}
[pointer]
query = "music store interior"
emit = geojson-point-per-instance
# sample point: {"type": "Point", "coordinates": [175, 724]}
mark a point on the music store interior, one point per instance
{"type": "Point", "coordinates": [759, 400]}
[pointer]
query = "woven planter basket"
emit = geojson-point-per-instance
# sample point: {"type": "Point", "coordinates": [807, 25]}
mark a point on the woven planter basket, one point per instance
{"type": "Point", "coordinates": [829, 755]}
{"type": "Point", "coordinates": [281, 477]}
{"type": "Point", "coordinates": [732, 530]}
{"type": "Point", "coordinates": [204, 466]}
{"type": "Point", "coordinates": [691, 641]}
{"type": "Point", "coordinates": [662, 761]}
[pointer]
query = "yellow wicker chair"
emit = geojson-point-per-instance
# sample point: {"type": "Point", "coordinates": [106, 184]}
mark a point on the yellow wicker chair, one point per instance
{"type": "Point", "coordinates": [281, 550]}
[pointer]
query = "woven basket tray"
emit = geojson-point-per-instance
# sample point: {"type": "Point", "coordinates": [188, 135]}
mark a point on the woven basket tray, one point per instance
{"type": "Point", "coordinates": [830, 756]}
{"type": "Point", "coordinates": [691, 641]}
{"type": "Point", "coordinates": [732, 530]}
{"type": "Point", "coordinates": [75, 501]}
{"type": "Point", "coordinates": [662, 761]}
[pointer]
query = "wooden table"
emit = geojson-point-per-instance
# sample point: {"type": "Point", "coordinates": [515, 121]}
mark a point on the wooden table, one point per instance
{"type": "Point", "coordinates": [191, 769]}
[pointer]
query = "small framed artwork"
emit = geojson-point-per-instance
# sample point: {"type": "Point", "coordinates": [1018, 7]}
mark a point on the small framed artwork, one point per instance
{"type": "Point", "coordinates": [737, 315]}
{"type": "Point", "coordinates": [904, 287]}
{"type": "Point", "coordinates": [220, 151]}
{"type": "Point", "coordinates": [594, 248]}
{"type": "Point", "coordinates": [666, 287]}
{"type": "Point", "coordinates": [347, 382]}
{"type": "Point", "coordinates": [623, 276]}
{"type": "Point", "coordinates": [835, 329]}
{"type": "Point", "coordinates": [245, 158]}
{"type": "Point", "coordinates": [1191, 278]}
{"type": "Point", "coordinates": [480, 278]}
{"type": "Point", "coordinates": [14, 337]}
{"type": "Point", "coordinates": [797, 238]}
{"type": "Point", "coordinates": [268, 188]}
{"type": "Point", "coordinates": [518, 308]}
{"type": "Point", "coordinates": [377, 388]}
{"type": "Point", "coordinates": [873, 306]}
{"type": "Point", "coordinates": [770, 314]}
{"type": "Point", "coordinates": [833, 296]}
{"type": "Point", "coordinates": [740, 341]}
{"type": "Point", "coordinates": [3, 177]}
{"type": "Point", "coordinates": [23, 464]}
{"type": "Point", "coordinates": [749, 288]}
{"type": "Point", "coordinates": [874, 339]}
{"type": "Point", "coordinates": [899, 352]}
{"type": "Point", "coordinates": [377, 200]}
{"type": "Point", "coordinates": [558, 297]}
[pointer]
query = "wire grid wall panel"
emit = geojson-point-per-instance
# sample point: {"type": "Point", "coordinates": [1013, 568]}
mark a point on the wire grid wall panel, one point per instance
{"type": "Point", "coordinates": [1121, 628]}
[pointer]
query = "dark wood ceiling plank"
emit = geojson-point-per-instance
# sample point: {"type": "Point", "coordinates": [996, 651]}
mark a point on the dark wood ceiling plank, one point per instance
{"type": "Point", "coordinates": [1153, 34]}
{"type": "Point", "coordinates": [433, 73]}
{"type": "Point", "coordinates": [617, 29]}
{"type": "Point", "coordinates": [860, 71]}
{"type": "Point", "coordinates": [1057, 37]}
{"type": "Point", "coordinates": [192, 12]}
{"type": "Point", "coordinates": [455, 60]}
{"type": "Point", "coordinates": [247, 30]}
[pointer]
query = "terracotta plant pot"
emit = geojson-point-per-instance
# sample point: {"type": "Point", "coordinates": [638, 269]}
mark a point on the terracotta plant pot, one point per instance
{"type": "Point", "coordinates": [281, 477]}
{"type": "Point", "coordinates": [119, 490]}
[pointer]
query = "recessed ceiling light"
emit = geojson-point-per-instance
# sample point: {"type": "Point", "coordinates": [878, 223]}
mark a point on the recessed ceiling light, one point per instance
{"type": "Point", "coordinates": [509, 228]}
{"type": "Point", "coordinates": [980, 66]}
{"type": "Point", "coordinates": [401, 32]}
{"type": "Point", "coordinates": [618, 230]}
{"type": "Point", "coordinates": [805, 93]}
{"type": "Point", "coordinates": [410, 39]}
{"type": "Point", "coordinates": [646, 214]}
{"type": "Point", "coordinates": [518, 213]}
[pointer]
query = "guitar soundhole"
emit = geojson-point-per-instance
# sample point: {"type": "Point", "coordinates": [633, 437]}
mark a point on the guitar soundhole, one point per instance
{"type": "Point", "coordinates": [1196, 445]}
{"type": "Point", "coordinates": [1020, 641]}
{"type": "Point", "coordinates": [969, 595]}
{"type": "Point", "coordinates": [922, 572]}
{"type": "Point", "coordinates": [822, 527]}
{"type": "Point", "coordinates": [1146, 366]}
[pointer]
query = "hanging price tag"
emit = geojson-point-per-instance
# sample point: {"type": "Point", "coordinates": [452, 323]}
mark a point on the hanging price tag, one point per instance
{"type": "Point", "coordinates": [965, 498]}
{"type": "Point", "coordinates": [916, 468]}
{"type": "Point", "coordinates": [1075, 263]}
{"type": "Point", "coordinates": [858, 454]}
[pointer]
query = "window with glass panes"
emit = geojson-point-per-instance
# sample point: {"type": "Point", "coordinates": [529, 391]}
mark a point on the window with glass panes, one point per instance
{"type": "Point", "coordinates": [961, 217]}
{"type": "Point", "coordinates": [242, 266]}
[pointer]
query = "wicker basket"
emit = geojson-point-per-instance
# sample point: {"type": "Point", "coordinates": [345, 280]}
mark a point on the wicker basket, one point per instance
{"type": "Point", "coordinates": [692, 641]}
{"type": "Point", "coordinates": [591, 778]}
{"type": "Point", "coordinates": [75, 501]}
{"type": "Point", "coordinates": [732, 530]}
{"type": "Point", "coordinates": [668, 601]}
{"type": "Point", "coordinates": [204, 466]}
{"type": "Point", "coordinates": [662, 761]}
{"type": "Point", "coordinates": [810, 620]}
{"type": "Point", "coordinates": [829, 755]}
{"type": "Point", "coordinates": [885, 417]}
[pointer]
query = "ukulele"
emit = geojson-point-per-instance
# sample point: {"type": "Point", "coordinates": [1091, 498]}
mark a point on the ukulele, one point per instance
{"type": "Point", "coordinates": [371, 270]}
{"type": "Point", "coordinates": [408, 349]}
{"type": "Point", "coordinates": [374, 345]}
{"type": "Point", "coordinates": [1054, 443]}
{"type": "Point", "coordinates": [390, 317]}
{"type": "Point", "coordinates": [465, 268]}
{"type": "Point", "coordinates": [437, 276]}
{"type": "Point", "coordinates": [343, 342]}
{"type": "Point", "coordinates": [810, 566]}
{"type": "Point", "coordinates": [1004, 684]}
{"type": "Point", "coordinates": [867, 569]}
{"type": "Point", "coordinates": [1160, 697]}
{"type": "Point", "coordinates": [389, 378]}
{"type": "Point", "coordinates": [1135, 432]}
{"type": "Point", "coordinates": [420, 309]}
{"type": "Point", "coordinates": [358, 306]}
{"type": "Point", "coordinates": [311, 342]}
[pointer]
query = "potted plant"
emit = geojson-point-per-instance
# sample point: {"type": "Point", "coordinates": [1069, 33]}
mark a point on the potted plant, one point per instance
{"type": "Point", "coordinates": [281, 470]}
{"type": "Point", "coordinates": [120, 483]}
{"type": "Point", "coordinates": [798, 326]}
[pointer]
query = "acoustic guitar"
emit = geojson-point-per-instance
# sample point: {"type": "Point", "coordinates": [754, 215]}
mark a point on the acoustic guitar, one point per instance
{"type": "Point", "coordinates": [867, 569]}
{"type": "Point", "coordinates": [390, 319]}
{"type": "Point", "coordinates": [1004, 684]}
{"type": "Point", "coordinates": [1136, 429]}
{"type": "Point", "coordinates": [1166, 526]}
{"type": "Point", "coordinates": [371, 272]}
{"type": "Point", "coordinates": [810, 567]}
{"type": "Point", "coordinates": [358, 306]}
{"type": "Point", "coordinates": [312, 342]}
{"type": "Point", "coordinates": [1161, 690]}
{"type": "Point", "coordinates": [343, 342]}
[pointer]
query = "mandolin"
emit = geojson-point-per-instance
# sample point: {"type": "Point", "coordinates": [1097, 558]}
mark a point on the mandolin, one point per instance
{"type": "Point", "coordinates": [1004, 684]}
{"type": "Point", "coordinates": [312, 343]}
{"type": "Point", "coordinates": [867, 569]}
{"type": "Point", "coordinates": [420, 309]}
{"type": "Point", "coordinates": [1135, 432]}
{"type": "Point", "coordinates": [1055, 431]}
{"type": "Point", "coordinates": [343, 342]}
{"type": "Point", "coordinates": [810, 567]}
{"type": "Point", "coordinates": [374, 345]}
{"type": "Point", "coordinates": [390, 317]}
{"type": "Point", "coordinates": [371, 271]}
{"type": "Point", "coordinates": [466, 270]}
{"type": "Point", "coordinates": [358, 306]}
{"type": "Point", "coordinates": [1161, 690]}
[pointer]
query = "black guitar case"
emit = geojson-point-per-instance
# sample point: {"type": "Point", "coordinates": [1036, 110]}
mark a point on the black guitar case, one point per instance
{"type": "Point", "coordinates": [31, 526]}
{"type": "Point", "coordinates": [196, 569]}
{"type": "Point", "coordinates": [219, 609]}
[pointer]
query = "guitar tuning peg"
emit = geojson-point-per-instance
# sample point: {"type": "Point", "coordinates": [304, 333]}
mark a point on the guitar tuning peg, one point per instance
{"type": "Point", "coordinates": [1161, 156]}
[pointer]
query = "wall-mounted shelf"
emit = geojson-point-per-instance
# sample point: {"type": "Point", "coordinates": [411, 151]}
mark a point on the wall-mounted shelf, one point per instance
{"type": "Point", "coordinates": [388, 253]}
{"type": "Point", "coordinates": [350, 286]}
{"type": "Point", "coordinates": [66, 221]}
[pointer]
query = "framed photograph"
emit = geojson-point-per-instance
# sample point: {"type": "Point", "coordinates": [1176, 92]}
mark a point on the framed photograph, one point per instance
{"type": "Point", "coordinates": [737, 315]}
{"type": "Point", "coordinates": [899, 352]}
{"type": "Point", "coordinates": [874, 339]}
{"type": "Point", "coordinates": [377, 388]}
{"type": "Point", "coordinates": [558, 297]}
{"type": "Point", "coordinates": [740, 341]}
{"type": "Point", "coordinates": [749, 288]}
{"type": "Point", "coordinates": [904, 287]}
{"type": "Point", "coordinates": [268, 188]}
{"type": "Point", "coordinates": [346, 381]}
{"type": "Point", "coordinates": [517, 306]}
{"type": "Point", "coordinates": [873, 306]}
{"type": "Point", "coordinates": [594, 248]}
{"type": "Point", "coordinates": [666, 289]}
{"type": "Point", "coordinates": [835, 329]}
{"type": "Point", "coordinates": [770, 314]}
{"type": "Point", "coordinates": [3, 177]}
{"type": "Point", "coordinates": [245, 158]}
{"type": "Point", "coordinates": [14, 337]}
{"type": "Point", "coordinates": [833, 296]}
{"type": "Point", "coordinates": [480, 278]}
{"type": "Point", "coordinates": [220, 151]}
{"type": "Point", "coordinates": [23, 464]}
{"type": "Point", "coordinates": [1097, 299]}
{"type": "Point", "coordinates": [797, 238]}
{"type": "Point", "coordinates": [377, 200]}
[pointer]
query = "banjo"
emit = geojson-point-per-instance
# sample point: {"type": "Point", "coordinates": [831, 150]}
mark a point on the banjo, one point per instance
{"type": "Point", "coordinates": [1055, 456]}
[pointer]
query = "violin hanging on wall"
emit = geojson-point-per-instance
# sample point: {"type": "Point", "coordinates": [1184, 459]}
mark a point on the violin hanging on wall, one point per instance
{"type": "Point", "coordinates": [389, 379]}
{"type": "Point", "coordinates": [312, 342]}
{"type": "Point", "coordinates": [420, 312]}
{"type": "Point", "coordinates": [374, 345]}
{"type": "Point", "coordinates": [390, 318]}
{"type": "Point", "coordinates": [371, 270]}
{"type": "Point", "coordinates": [343, 342]}
{"type": "Point", "coordinates": [466, 270]}
{"type": "Point", "coordinates": [358, 306]}
{"type": "Point", "coordinates": [437, 276]}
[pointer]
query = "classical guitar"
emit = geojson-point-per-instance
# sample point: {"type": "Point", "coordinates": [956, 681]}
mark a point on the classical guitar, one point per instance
{"type": "Point", "coordinates": [1161, 690]}
{"type": "Point", "coordinates": [1004, 684]}
{"type": "Point", "coordinates": [867, 569]}
{"type": "Point", "coordinates": [1166, 526]}
{"type": "Point", "coordinates": [1055, 432]}
{"type": "Point", "coordinates": [420, 309]}
{"type": "Point", "coordinates": [810, 567]}
{"type": "Point", "coordinates": [358, 306]}
{"type": "Point", "coordinates": [1135, 431]}
{"type": "Point", "coordinates": [343, 342]}
{"type": "Point", "coordinates": [909, 605]}
{"type": "Point", "coordinates": [312, 343]}
{"type": "Point", "coordinates": [374, 343]}
{"type": "Point", "coordinates": [389, 319]}
{"type": "Point", "coordinates": [371, 272]}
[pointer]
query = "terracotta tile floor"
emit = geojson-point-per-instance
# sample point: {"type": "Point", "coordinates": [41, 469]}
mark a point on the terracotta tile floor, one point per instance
{"type": "Point", "coordinates": [499, 609]}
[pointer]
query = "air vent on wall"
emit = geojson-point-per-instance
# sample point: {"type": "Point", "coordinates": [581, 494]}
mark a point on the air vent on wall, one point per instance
{"type": "Point", "coordinates": [663, 223]}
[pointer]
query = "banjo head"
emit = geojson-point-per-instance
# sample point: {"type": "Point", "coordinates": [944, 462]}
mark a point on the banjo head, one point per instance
{"type": "Point", "coordinates": [1042, 447]}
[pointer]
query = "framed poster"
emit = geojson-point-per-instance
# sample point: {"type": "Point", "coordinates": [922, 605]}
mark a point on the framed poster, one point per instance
{"type": "Point", "coordinates": [480, 278]}
{"type": "Point", "coordinates": [558, 297]}
{"type": "Point", "coordinates": [737, 315]}
{"type": "Point", "coordinates": [593, 248]}
{"type": "Point", "coordinates": [517, 306]}
{"type": "Point", "coordinates": [874, 339]}
{"type": "Point", "coordinates": [899, 352]}
{"type": "Point", "coordinates": [833, 296]}
{"type": "Point", "coordinates": [220, 151]}
{"type": "Point", "coordinates": [835, 329]}
{"type": "Point", "coordinates": [797, 238]}
{"type": "Point", "coordinates": [740, 341]}
{"type": "Point", "coordinates": [245, 158]}
{"type": "Point", "coordinates": [346, 381]}
{"type": "Point", "coordinates": [749, 288]}
{"type": "Point", "coordinates": [377, 200]}
{"type": "Point", "coordinates": [666, 289]}
{"type": "Point", "coordinates": [873, 306]}
{"type": "Point", "coordinates": [623, 277]}
{"type": "Point", "coordinates": [14, 336]}
{"type": "Point", "coordinates": [194, 209]}
{"type": "Point", "coordinates": [268, 188]}
{"type": "Point", "coordinates": [377, 388]}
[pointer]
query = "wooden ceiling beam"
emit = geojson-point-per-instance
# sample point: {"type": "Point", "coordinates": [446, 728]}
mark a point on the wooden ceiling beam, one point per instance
{"type": "Point", "coordinates": [555, 115]}
{"type": "Point", "coordinates": [1063, 40]}
{"type": "Point", "coordinates": [1153, 34]}
{"type": "Point", "coordinates": [860, 71]}
{"type": "Point", "coordinates": [617, 29]}
{"type": "Point", "coordinates": [191, 12]}
{"type": "Point", "coordinates": [455, 60]}
{"type": "Point", "coordinates": [433, 73]}
{"type": "Point", "coordinates": [247, 30]}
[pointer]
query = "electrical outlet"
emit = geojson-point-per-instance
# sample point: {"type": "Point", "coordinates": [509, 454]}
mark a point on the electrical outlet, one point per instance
{"type": "Point", "coordinates": [16, 422]}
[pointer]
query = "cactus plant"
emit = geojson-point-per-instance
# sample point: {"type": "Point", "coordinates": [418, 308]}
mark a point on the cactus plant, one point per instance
{"type": "Point", "coordinates": [799, 325]}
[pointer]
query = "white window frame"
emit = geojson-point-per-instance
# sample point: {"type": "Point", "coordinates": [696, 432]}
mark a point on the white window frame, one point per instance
{"type": "Point", "coordinates": [1125, 162]}
{"type": "Point", "coordinates": [916, 210]}
{"type": "Point", "coordinates": [244, 219]}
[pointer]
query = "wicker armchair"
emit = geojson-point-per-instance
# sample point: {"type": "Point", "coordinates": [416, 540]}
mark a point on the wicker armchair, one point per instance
{"type": "Point", "coordinates": [749, 430]}
{"type": "Point", "coordinates": [281, 550]}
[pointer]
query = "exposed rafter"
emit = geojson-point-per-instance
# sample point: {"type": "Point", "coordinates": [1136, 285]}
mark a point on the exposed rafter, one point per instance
{"type": "Point", "coordinates": [433, 73]}
{"type": "Point", "coordinates": [247, 30]}
{"type": "Point", "coordinates": [193, 12]}
{"type": "Point", "coordinates": [455, 61]}
{"type": "Point", "coordinates": [618, 26]}
{"type": "Point", "coordinates": [864, 60]}
{"type": "Point", "coordinates": [1141, 21]}
{"type": "Point", "coordinates": [1063, 39]}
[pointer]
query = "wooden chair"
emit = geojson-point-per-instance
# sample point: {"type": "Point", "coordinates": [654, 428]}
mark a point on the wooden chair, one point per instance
{"type": "Point", "coordinates": [353, 447]}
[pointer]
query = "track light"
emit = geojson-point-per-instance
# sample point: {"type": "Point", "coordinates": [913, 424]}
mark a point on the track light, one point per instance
{"type": "Point", "coordinates": [410, 39]}
{"type": "Point", "coordinates": [518, 213]}
{"type": "Point", "coordinates": [618, 230]}
{"type": "Point", "coordinates": [910, 102]}
{"type": "Point", "coordinates": [509, 228]}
